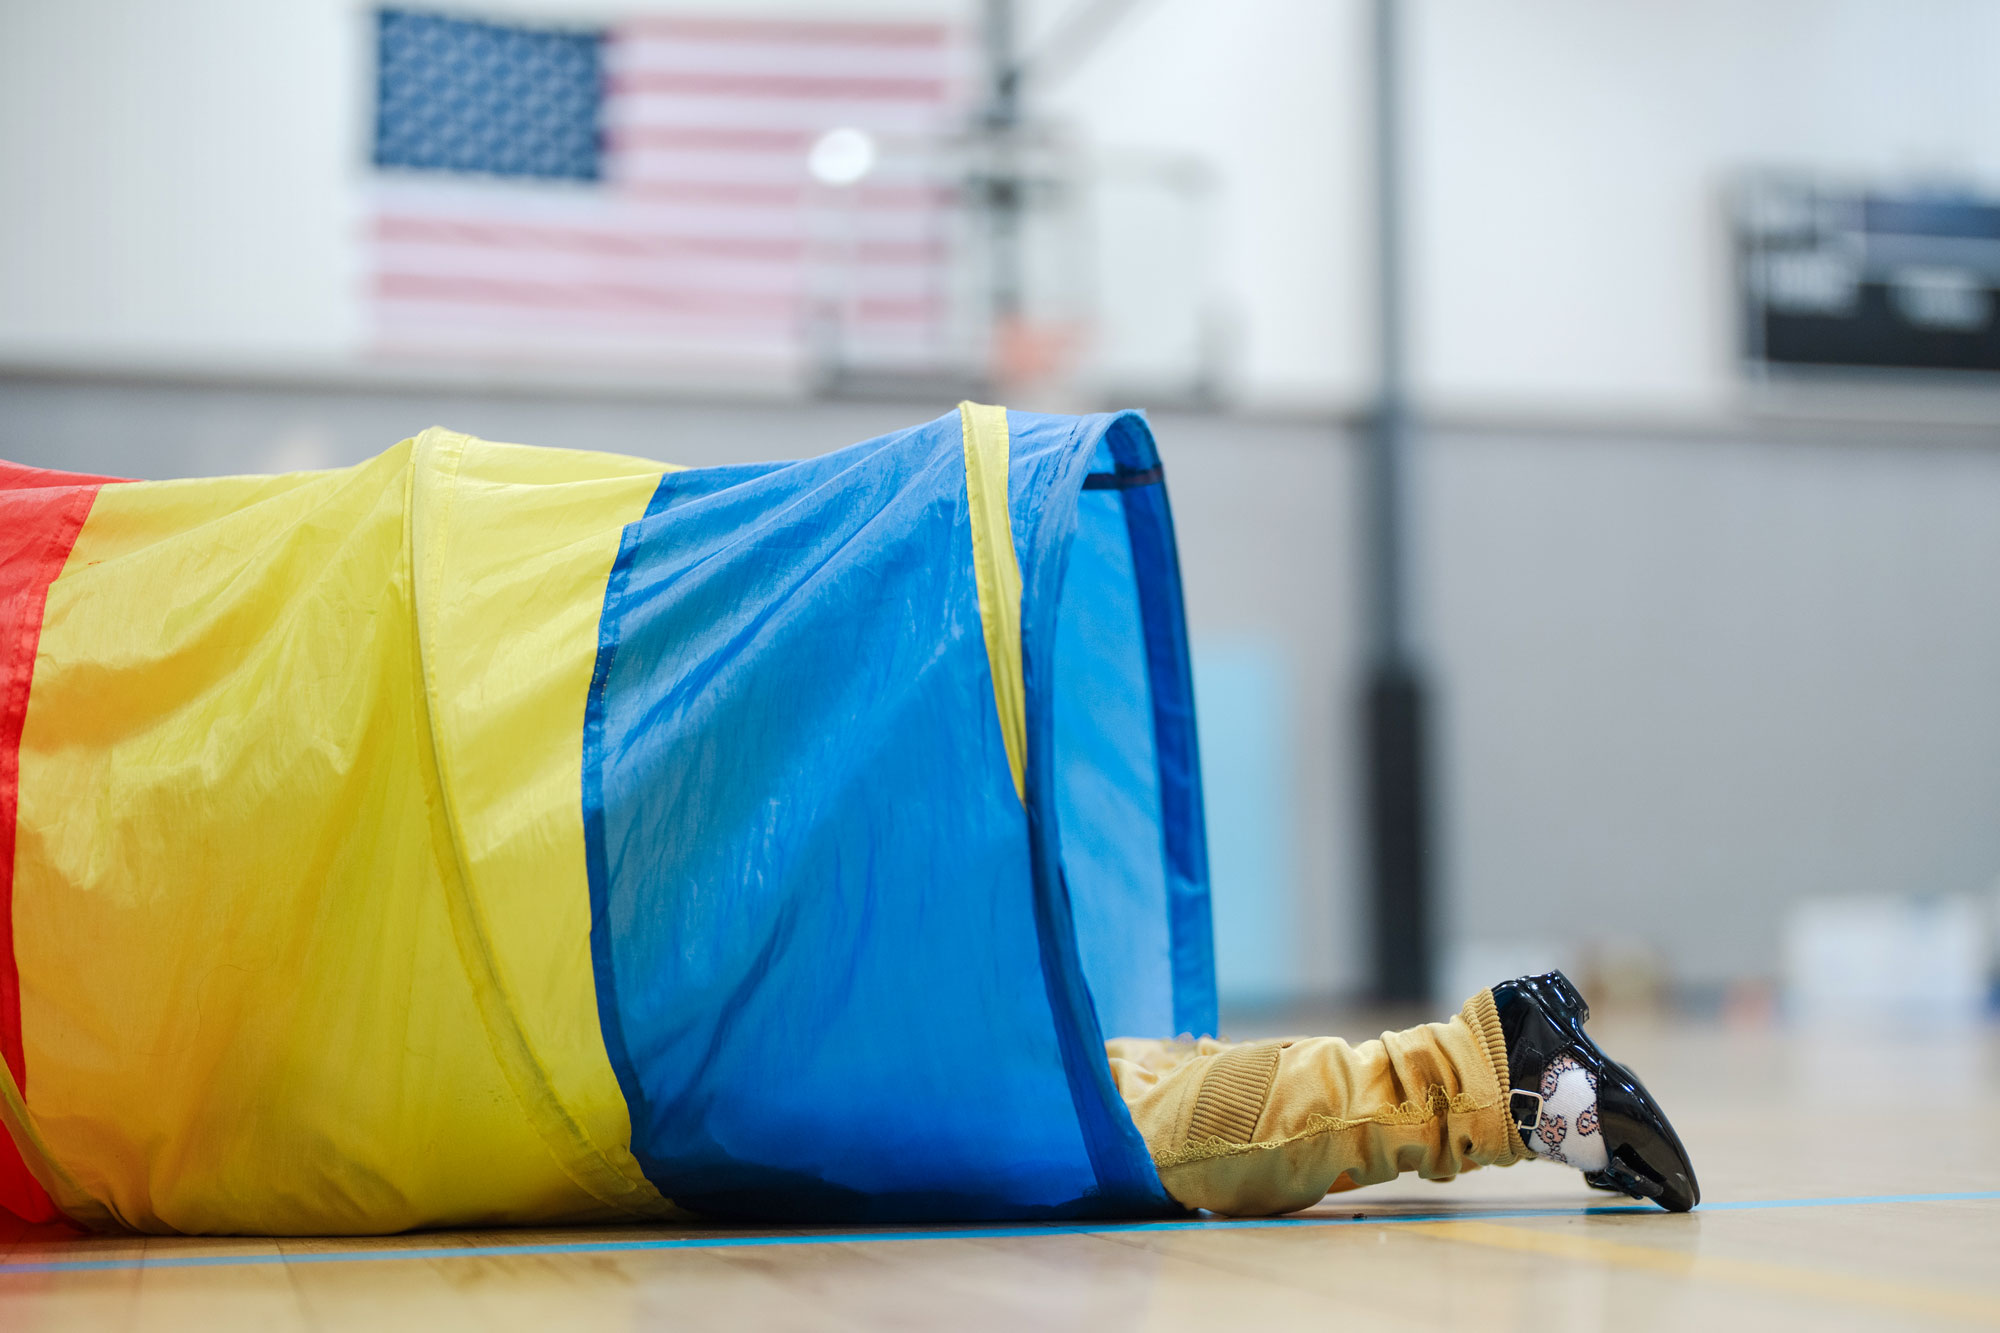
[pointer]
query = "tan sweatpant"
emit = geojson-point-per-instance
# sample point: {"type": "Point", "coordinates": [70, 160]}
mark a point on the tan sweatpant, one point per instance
{"type": "Point", "coordinates": [1270, 1126]}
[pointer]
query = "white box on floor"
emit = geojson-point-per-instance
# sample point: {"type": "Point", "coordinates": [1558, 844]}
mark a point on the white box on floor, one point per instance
{"type": "Point", "coordinates": [1886, 962]}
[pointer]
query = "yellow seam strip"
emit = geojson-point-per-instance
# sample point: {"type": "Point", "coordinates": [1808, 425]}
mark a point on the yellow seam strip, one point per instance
{"type": "Point", "coordinates": [578, 1157]}
{"type": "Point", "coordinates": [1816, 1284]}
{"type": "Point", "coordinates": [998, 574]}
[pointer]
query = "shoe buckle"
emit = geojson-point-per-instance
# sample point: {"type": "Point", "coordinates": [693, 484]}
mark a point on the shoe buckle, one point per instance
{"type": "Point", "coordinates": [1517, 1100]}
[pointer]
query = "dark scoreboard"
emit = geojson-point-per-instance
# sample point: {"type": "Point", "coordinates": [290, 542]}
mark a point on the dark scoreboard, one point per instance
{"type": "Point", "coordinates": [1836, 278]}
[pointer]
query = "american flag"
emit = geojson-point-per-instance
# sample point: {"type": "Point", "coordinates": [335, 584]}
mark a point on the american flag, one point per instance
{"type": "Point", "coordinates": [641, 194]}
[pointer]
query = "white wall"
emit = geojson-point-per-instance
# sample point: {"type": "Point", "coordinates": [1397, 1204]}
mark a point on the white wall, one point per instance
{"type": "Point", "coordinates": [181, 179]}
{"type": "Point", "coordinates": [184, 183]}
{"type": "Point", "coordinates": [1275, 95]}
{"type": "Point", "coordinates": [1571, 160]}
{"type": "Point", "coordinates": [1688, 681]}
{"type": "Point", "coordinates": [178, 182]}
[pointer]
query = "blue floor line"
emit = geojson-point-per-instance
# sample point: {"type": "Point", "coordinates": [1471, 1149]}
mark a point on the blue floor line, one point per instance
{"type": "Point", "coordinates": [723, 1241]}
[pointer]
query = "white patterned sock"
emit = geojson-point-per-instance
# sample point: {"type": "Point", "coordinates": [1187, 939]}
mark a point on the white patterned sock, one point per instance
{"type": "Point", "coordinates": [1568, 1132]}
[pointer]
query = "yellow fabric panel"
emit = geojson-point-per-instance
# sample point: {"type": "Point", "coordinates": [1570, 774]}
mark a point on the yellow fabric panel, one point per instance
{"type": "Point", "coordinates": [513, 551]}
{"type": "Point", "coordinates": [258, 991]}
{"type": "Point", "coordinates": [61, 1187]}
{"type": "Point", "coordinates": [997, 573]}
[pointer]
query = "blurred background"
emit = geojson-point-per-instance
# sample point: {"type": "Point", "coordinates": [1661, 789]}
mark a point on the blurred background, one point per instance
{"type": "Point", "coordinates": [1616, 381]}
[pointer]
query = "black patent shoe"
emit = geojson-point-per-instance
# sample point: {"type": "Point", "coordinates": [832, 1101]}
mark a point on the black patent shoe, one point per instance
{"type": "Point", "coordinates": [1542, 1017]}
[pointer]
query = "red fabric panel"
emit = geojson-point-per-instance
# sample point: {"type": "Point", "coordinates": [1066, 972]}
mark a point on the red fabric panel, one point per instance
{"type": "Point", "coordinates": [41, 513]}
{"type": "Point", "coordinates": [21, 477]}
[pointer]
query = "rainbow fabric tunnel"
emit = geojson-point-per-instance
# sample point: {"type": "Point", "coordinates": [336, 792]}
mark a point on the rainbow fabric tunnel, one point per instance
{"type": "Point", "coordinates": [487, 834]}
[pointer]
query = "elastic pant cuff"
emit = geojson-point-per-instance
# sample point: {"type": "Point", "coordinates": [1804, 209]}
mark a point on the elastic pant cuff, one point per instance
{"type": "Point", "coordinates": [1484, 1019]}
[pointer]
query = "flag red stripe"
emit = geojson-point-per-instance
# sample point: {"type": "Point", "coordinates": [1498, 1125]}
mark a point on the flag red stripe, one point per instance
{"type": "Point", "coordinates": [781, 196]}
{"type": "Point", "coordinates": [392, 227]}
{"type": "Point", "coordinates": [728, 139]}
{"type": "Point", "coordinates": [529, 236]}
{"type": "Point", "coordinates": [632, 297]}
{"type": "Point", "coordinates": [827, 87]}
{"type": "Point", "coordinates": [579, 296]}
{"type": "Point", "coordinates": [765, 32]}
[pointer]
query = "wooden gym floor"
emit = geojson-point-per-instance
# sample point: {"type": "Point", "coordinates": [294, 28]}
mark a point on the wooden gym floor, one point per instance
{"type": "Point", "coordinates": [1848, 1185]}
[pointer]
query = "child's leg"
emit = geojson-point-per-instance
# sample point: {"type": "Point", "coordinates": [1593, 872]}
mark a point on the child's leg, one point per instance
{"type": "Point", "coordinates": [1271, 1126]}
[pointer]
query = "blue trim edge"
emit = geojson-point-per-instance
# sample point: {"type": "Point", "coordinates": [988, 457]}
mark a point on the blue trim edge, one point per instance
{"type": "Point", "coordinates": [1149, 525]}
{"type": "Point", "coordinates": [596, 866]}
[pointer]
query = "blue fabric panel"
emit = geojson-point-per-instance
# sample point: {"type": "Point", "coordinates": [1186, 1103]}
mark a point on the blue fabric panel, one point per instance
{"type": "Point", "coordinates": [1107, 779]}
{"type": "Point", "coordinates": [818, 954]}
{"type": "Point", "coordinates": [1049, 459]}
{"type": "Point", "coordinates": [1157, 574]}
{"type": "Point", "coordinates": [837, 962]}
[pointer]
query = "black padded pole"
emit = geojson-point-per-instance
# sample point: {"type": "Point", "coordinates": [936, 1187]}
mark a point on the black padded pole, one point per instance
{"type": "Point", "coordinates": [1394, 705]}
{"type": "Point", "coordinates": [1398, 834]}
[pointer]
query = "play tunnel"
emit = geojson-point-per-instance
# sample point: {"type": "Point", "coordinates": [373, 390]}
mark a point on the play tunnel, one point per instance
{"type": "Point", "coordinates": [486, 834]}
